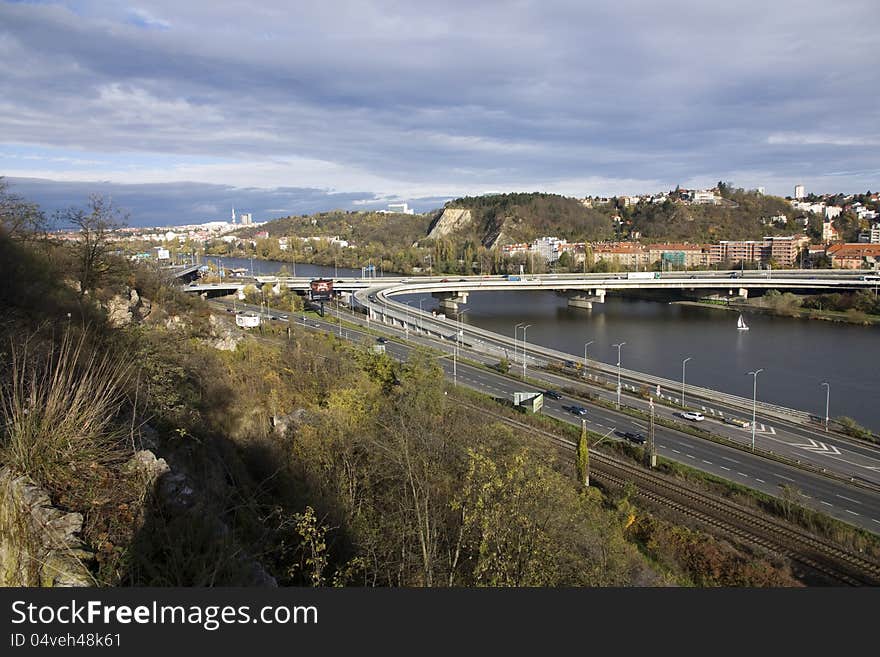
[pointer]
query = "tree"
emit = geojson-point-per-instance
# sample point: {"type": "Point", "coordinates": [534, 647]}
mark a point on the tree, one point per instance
{"type": "Point", "coordinates": [96, 225]}
{"type": "Point", "coordinates": [583, 457]}
{"type": "Point", "coordinates": [18, 218]}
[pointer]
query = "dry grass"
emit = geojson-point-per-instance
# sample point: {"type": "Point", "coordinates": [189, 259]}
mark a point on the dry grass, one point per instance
{"type": "Point", "coordinates": [61, 414]}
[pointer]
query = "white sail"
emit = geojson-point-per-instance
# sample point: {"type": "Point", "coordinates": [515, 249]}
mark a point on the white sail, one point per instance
{"type": "Point", "coordinates": [741, 324]}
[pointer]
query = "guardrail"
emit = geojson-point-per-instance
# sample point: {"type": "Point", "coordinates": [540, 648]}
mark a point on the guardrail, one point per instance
{"type": "Point", "coordinates": [504, 345]}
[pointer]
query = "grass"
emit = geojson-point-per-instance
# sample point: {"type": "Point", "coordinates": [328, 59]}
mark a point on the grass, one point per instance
{"type": "Point", "coordinates": [61, 414]}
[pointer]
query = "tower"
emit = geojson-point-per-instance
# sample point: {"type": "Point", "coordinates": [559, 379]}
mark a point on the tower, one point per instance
{"type": "Point", "coordinates": [233, 214]}
{"type": "Point", "coordinates": [799, 191]}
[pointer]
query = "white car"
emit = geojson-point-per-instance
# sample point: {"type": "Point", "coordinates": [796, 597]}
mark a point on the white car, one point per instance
{"type": "Point", "coordinates": [693, 415]}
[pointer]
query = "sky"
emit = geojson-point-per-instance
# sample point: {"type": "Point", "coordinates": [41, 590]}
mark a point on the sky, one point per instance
{"type": "Point", "coordinates": [182, 110]}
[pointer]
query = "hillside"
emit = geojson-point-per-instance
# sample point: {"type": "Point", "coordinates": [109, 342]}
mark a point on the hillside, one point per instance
{"type": "Point", "coordinates": [500, 219]}
{"type": "Point", "coordinates": [739, 219]}
{"type": "Point", "coordinates": [183, 451]}
{"type": "Point", "coordinates": [391, 230]}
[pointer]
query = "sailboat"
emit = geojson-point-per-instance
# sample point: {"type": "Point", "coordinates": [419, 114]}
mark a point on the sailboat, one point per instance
{"type": "Point", "coordinates": [741, 324]}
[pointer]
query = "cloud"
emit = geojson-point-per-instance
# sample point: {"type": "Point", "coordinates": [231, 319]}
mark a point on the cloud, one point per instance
{"type": "Point", "coordinates": [414, 99]}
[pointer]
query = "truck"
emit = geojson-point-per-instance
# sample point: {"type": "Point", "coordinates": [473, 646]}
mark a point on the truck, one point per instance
{"type": "Point", "coordinates": [512, 277]}
{"type": "Point", "coordinates": [642, 274]}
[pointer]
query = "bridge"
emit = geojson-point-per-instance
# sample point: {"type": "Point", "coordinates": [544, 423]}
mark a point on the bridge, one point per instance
{"type": "Point", "coordinates": [584, 289]}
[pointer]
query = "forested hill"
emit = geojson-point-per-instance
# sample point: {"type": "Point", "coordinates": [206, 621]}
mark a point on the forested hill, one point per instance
{"type": "Point", "coordinates": [519, 217]}
{"type": "Point", "coordinates": [738, 218]}
{"type": "Point", "coordinates": [362, 228]}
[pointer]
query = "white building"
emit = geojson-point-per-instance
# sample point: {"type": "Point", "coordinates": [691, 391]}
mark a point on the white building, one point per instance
{"type": "Point", "coordinates": [833, 211]}
{"type": "Point", "coordinates": [247, 320]}
{"type": "Point", "coordinates": [704, 197]}
{"type": "Point", "coordinates": [870, 236]}
{"type": "Point", "coordinates": [549, 248]}
{"type": "Point", "coordinates": [799, 191]}
{"type": "Point", "coordinates": [402, 208]}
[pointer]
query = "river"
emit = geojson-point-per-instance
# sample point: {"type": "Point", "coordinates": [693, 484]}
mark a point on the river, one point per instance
{"type": "Point", "coordinates": [796, 355]}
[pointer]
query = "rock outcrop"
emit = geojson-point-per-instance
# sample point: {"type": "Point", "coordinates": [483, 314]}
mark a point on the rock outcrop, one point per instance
{"type": "Point", "coordinates": [449, 221]}
{"type": "Point", "coordinates": [39, 544]}
{"type": "Point", "coordinates": [122, 310]}
{"type": "Point", "coordinates": [226, 338]}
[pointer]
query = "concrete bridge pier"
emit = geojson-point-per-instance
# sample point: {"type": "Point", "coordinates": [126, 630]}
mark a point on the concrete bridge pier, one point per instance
{"type": "Point", "coordinates": [587, 300]}
{"type": "Point", "coordinates": [449, 301]}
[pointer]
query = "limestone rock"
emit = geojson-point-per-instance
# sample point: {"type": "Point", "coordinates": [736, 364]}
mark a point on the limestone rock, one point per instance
{"type": "Point", "coordinates": [119, 311]}
{"type": "Point", "coordinates": [450, 221]}
{"type": "Point", "coordinates": [146, 462]}
{"type": "Point", "coordinates": [39, 544]}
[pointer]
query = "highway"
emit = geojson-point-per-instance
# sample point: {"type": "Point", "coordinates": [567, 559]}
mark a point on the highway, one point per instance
{"type": "Point", "coordinates": [855, 505]}
{"type": "Point", "coordinates": [783, 432]}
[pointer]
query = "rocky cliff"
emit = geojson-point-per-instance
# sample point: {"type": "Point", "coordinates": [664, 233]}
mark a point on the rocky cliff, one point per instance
{"type": "Point", "coordinates": [450, 220]}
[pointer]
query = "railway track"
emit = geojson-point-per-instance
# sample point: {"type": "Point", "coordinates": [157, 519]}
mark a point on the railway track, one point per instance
{"type": "Point", "coordinates": [725, 516]}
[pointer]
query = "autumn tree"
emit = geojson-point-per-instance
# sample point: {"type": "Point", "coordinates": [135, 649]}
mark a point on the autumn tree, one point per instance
{"type": "Point", "coordinates": [96, 224]}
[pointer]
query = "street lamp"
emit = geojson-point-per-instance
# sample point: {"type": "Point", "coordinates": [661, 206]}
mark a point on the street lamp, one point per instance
{"type": "Point", "coordinates": [754, 401]}
{"type": "Point", "coordinates": [827, 399]}
{"type": "Point", "coordinates": [619, 345]}
{"type": "Point", "coordinates": [460, 329]}
{"type": "Point", "coordinates": [515, 328]}
{"type": "Point", "coordinates": [683, 363]}
{"type": "Point", "coordinates": [421, 301]}
{"type": "Point", "coordinates": [585, 356]}
{"type": "Point", "coordinates": [406, 325]}
{"type": "Point", "coordinates": [524, 350]}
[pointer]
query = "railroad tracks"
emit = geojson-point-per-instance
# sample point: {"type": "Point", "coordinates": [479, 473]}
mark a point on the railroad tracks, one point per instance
{"type": "Point", "coordinates": [840, 564]}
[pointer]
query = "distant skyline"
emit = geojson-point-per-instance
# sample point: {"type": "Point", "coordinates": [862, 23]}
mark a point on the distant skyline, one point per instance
{"type": "Point", "coordinates": [181, 110]}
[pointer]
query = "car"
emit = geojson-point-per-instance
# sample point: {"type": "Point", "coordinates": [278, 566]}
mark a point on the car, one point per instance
{"type": "Point", "coordinates": [444, 280]}
{"type": "Point", "coordinates": [284, 317]}
{"type": "Point", "coordinates": [693, 415]}
{"type": "Point", "coordinates": [578, 410]}
{"type": "Point", "coordinates": [552, 394]}
{"type": "Point", "coordinates": [635, 436]}
{"type": "Point", "coordinates": [462, 280]}
{"type": "Point", "coordinates": [316, 325]}
{"type": "Point", "coordinates": [381, 340]}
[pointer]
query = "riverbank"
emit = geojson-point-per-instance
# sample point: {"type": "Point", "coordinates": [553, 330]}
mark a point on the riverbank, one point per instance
{"type": "Point", "coordinates": [858, 318]}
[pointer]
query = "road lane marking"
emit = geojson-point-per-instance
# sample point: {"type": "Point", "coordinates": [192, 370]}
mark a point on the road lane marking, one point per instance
{"type": "Point", "coordinates": [761, 480]}
{"type": "Point", "coordinates": [784, 477]}
{"type": "Point", "coordinates": [690, 456]}
{"type": "Point", "coordinates": [743, 474]}
{"type": "Point", "coordinates": [723, 468]}
{"type": "Point", "coordinates": [726, 458]}
{"type": "Point", "coordinates": [852, 512]}
{"type": "Point", "coordinates": [708, 462]}
{"type": "Point", "coordinates": [676, 451]}
{"type": "Point", "coordinates": [826, 503]}
{"type": "Point", "coordinates": [848, 499]}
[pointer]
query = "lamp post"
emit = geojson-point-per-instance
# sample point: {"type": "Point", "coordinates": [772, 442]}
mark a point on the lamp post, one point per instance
{"type": "Point", "coordinates": [587, 344]}
{"type": "Point", "coordinates": [406, 325]}
{"type": "Point", "coordinates": [458, 334]}
{"type": "Point", "coordinates": [754, 401]}
{"type": "Point", "coordinates": [619, 345]}
{"type": "Point", "coordinates": [683, 363]}
{"type": "Point", "coordinates": [827, 399]}
{"type": "Point", "coordinates": [524, 350]}
{"type": "Point", "coordinates": [515, 329]}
